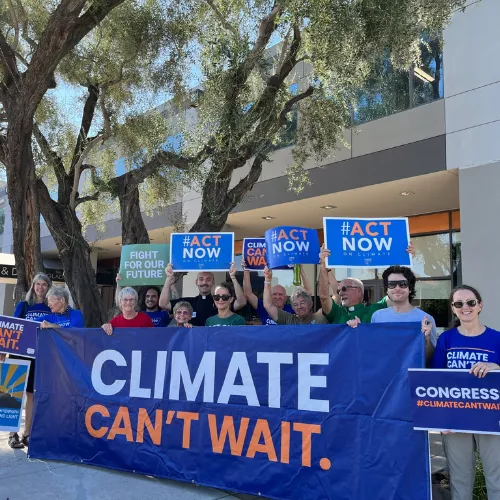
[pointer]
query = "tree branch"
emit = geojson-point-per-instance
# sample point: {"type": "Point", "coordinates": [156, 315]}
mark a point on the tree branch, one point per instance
{"type": "Point", "coordinates": [222, 19]}
{"type": "Point", "coordinates": [52, 158]}
{"type": "Point", "coordinates": [84, 199]}
{"type": "Point", "coordinates": [246, 183]}
{"type": "Point", "coordinates": [8, 61]}
{"type": "Point", "coordinates": [87, 118]}
{"type": "Point", "coordinates": [291, 102]}
{"type": "Point", "coordinates": [15, 23]}
{"type": "Point", "coordinates": [100, 139]}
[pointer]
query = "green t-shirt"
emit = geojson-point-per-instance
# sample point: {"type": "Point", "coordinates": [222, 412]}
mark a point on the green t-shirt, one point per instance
{"type": "Point", "coordinates": [340, 314]}
{"type": "Point", "coordinates": [286, 318]}
{"type": "Point", "coordinates": [233, 320]}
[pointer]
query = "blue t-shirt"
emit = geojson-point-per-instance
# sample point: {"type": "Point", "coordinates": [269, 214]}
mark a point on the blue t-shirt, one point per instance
{"type": "Point", "coordinates": [72, 318]}
{"type": "Point", "coordinates": [264, 317]}
{"type": "Point", "coordinates": [458, 351]}
{"type": "Point", "coordinates": [416, 315]}
{"type": "Point", "coordinates": [32, 313]}
{"type": "Point", "coordinates": [159, 318]}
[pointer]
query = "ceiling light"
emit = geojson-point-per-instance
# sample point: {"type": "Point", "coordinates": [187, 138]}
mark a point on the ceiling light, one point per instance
{"type": "Point", "coordinates": [407, 193]}
{"type": "Point", "coordinates": [268, 217]}
{"type": "Point", "coordinates": [328, 207]}
{"type": "Point", "coordinates": [118, 244]}
{"type": "Point", "coordinates": [420, 73]}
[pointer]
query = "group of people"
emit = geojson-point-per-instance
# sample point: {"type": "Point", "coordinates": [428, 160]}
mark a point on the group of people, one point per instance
{"type": "Point", "coordinates": [217, 305]}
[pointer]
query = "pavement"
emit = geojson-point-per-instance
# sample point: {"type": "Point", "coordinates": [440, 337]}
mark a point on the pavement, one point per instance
{"type": "Point", "coordinates": [25, 479]}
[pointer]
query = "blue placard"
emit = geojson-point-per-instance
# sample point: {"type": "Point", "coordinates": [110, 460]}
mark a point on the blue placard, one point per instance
{"type": "Point", "coordinates": [290, 245]}
{"type": "Point", "coordinates": [18, 336]}
{"type": "Point", "coordinates": [312, 412]}
{"type": "Point", "coordinates": [201, 251]}
{"type": "Point", "coordinates": [455, 400]}
{"type": "Point", "coordinates": [367, 243]}
{"type": "Point", "coordinates": [13, 378]}
{"type": "Point", "coordinates": [254, 253]}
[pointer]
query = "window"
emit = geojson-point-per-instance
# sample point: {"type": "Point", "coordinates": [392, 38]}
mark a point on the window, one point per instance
{"type": "Point", "coordinates": [432, 256]}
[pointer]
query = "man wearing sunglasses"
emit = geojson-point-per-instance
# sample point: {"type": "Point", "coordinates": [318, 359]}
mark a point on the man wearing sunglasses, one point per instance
{"type": "Point", "coordinates": [203, 304]}
{"type": "Point", "coordinates": [350, 293]}
{"type": "Point", "coordinates": [399, 281]}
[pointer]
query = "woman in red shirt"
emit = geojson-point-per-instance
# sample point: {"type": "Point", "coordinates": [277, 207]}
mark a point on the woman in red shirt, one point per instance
{"type": "Point", "coordinates": [130, 318]}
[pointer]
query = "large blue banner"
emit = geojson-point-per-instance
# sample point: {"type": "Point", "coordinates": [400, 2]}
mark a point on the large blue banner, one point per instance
{"type": "Point", "coordinates": [290, 245]}
{"type": "Point", "coordinates": [18, 336]}
{"type": "Point", "coordinates": [309, 412]}
{"type": "Point", "coordinates": [13, 378]}
{"type": "Point", "coordinates": [201, 251]}
{"type": "Point", "coordinates": [366, 243]}
{"type": "Point", "coordinates": [455, 400]}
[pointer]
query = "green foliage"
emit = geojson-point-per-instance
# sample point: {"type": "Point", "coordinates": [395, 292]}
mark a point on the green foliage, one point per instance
{"type": "Point", "coordinates": [479, 492]}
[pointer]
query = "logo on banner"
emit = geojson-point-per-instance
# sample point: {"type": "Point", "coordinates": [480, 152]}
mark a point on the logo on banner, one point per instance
{"type": "Point", "coordinates": [13, 377]}
{"type": "Point", "coordinates": [292, 245]}
{"type": "Point", "coordinates": [366, 243]}
{"type": "Point", "coordinates": [202, 251]}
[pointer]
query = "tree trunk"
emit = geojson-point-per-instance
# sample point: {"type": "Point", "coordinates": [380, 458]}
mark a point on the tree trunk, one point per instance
{"type": "Point", "coordinates": [23, 200]}
{"type": "Point", "coordinates": [74, 253]}
{"type": "Point", "coordinates": [133, 228]}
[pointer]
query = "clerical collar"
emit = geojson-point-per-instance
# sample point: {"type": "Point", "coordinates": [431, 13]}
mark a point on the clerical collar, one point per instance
{"type": "Point", "coordinates": [353, 308]}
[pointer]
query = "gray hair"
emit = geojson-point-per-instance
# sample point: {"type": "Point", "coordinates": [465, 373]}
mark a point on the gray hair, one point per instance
{"type": "Point", "coordinates": [31, 295]}
{"type": "Point", "coordinates": [59, 292]}
{"type": "Point", "coordinates": [300, 293]}
{"type": "Point", "coordinates": [357, 283]}
{"type": "Point", "coordinates": [185, 305]}
{"type": "Point", "coordinates": [128, 290]}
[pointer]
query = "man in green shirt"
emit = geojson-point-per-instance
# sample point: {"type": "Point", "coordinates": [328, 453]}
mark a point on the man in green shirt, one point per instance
{"type": "Point", "coordinates": [350, 292]}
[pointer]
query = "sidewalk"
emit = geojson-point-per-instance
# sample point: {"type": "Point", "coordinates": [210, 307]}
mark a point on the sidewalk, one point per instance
{"type": "Point", "coordinates": [23, 479]}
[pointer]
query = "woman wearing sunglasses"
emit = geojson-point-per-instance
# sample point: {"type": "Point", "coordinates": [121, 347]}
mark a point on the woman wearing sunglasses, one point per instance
{"type": "Point", "coordinates": [223, 295]}
{"type": "Point", "coordinates": [476, 347]}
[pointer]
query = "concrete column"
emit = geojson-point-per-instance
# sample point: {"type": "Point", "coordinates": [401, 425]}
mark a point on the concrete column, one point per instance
{"type": "Point", "coordinates": [480, 234]}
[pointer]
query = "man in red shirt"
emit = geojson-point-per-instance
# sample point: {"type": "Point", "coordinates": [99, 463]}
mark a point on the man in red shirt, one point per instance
{"type": "Point", "coordinates": [130, 318]}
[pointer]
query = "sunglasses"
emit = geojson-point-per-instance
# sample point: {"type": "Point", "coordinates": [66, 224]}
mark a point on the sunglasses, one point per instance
{"type": "Point", "coordinates": [460, 303]}
{"type": "Point", "coordinates": [223, 297]}
{"type": "Point", "coordinates": [393, 284]}
{"type": "Point", "coordinates": [345, 288]}
{"type": "Point", "coordinates": [182, 313]}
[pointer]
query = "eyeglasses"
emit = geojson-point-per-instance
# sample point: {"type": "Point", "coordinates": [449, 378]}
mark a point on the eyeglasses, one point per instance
{"type": "Point", "coordinates": [460, 303]}
{"type": "Point", "coordinates": [393, 284]}
{"type": "Point", "coordinates": [345, 288]}
{"type": "Point", "coordinates": [182, 313]}
{"type": "Point", "coordinates": [223, 297]}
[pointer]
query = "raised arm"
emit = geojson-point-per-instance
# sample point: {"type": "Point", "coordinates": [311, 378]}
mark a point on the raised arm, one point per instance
{"type": "Point", "coordinates": [247, 286]}
{"type": "Point", "coordinates": [241, 300]}
{"type": "Point", "coordinates": [306, 284]}
{"type": "Point", "coordinates": [164, 301]}
{"type": "Point", "coordinates": [118, 290]}
{"type": "Point", "coordinates": [271, 309]}
{"type": "Point", "coordinates": [323, 283]}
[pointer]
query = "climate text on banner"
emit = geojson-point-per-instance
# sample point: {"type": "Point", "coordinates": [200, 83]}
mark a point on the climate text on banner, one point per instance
{"type": "Point", "coordinates": [366, 243]}
{"type": "Point", "coordinates": [239, 409]}
{"type": "Point", "coordinates": [455, 400]}
{"type": "Point", "coordinates": [254, 253]}
{"type": "Point", "coordinates": [201, 251]}
{"type": "Point", "coordinates": [18, 336]}
{"type": "Point", "coordinates": [290, 245]}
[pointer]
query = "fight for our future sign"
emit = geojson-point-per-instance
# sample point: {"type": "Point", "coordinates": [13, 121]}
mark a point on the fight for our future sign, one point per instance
{"type": "Point", "coordinates": [367, 243]}
{"type": "Point", "coordinates": [201, 251]}
{"type": "Point", "coordinates": [289, 245]}
{"type": "Point", "coordinates": [143, 264]}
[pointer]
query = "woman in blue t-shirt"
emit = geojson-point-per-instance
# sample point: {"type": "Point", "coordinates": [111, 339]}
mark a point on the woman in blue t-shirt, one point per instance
{"type": "Point", "coordinates": [476, 347]}
{"type": "Point", "coordinates": [62, 315]}
{"type": "Point", "coordinates": [33, 307]}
